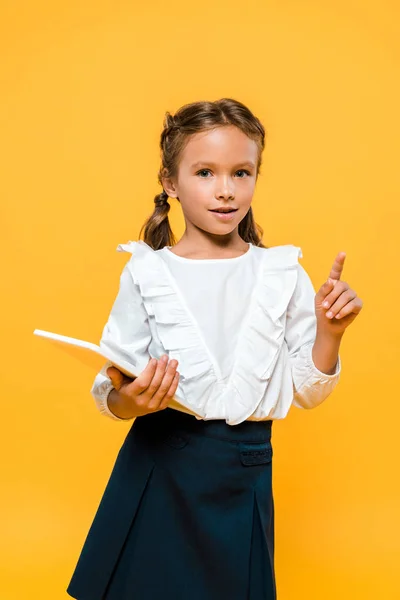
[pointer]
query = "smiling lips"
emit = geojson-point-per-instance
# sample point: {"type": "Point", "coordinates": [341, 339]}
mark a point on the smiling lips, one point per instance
{"type": "Point", "coordinates": [224, 215]}
{"type": "Point", "coordinates": [223, 210]}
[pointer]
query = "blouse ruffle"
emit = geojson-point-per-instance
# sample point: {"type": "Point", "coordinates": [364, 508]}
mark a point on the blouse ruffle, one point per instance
{"type": "Point", "coordinates": [201, 388]}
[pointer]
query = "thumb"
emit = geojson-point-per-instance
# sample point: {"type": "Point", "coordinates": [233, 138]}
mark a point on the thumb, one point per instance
{"type": "Point", "coordinates": [116, 377]}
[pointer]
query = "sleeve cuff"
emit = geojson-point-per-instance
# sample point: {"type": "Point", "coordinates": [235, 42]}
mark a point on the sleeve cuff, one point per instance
{"type": "Point", "coordinates": [100, 392]}
{"type": "Point", "coordinates": [311, 386]}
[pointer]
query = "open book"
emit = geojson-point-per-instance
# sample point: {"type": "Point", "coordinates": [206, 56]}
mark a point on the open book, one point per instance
{"type": "Point", "coordinates": [87, 352]}
{"type": "Point", "coordinates": [95, 356]}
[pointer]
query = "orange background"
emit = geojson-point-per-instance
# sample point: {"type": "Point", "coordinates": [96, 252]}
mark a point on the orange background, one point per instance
{"type": "Point", "coordinates": [83, 90]}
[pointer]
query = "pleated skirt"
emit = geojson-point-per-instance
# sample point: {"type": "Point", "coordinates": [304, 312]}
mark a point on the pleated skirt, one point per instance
{"type": "Point", "coordinates": [187, 514]}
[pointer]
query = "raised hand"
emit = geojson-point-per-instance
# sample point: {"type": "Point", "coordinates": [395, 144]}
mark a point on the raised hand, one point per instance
{"type": "Point", "coordinates": [336, 304]}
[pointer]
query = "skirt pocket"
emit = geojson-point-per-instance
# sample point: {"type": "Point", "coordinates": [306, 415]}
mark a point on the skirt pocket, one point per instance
{"type": "Point", "coordinates": [255, 454]}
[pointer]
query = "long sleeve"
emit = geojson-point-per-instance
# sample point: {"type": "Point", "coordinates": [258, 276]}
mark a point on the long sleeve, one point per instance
{"type": "Point", "coordinates": [310, 385]}
{"type": "Point", "coordinates": [126, 331]}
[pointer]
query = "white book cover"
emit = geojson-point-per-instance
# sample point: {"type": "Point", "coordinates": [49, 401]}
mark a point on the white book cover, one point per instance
{"type": "Point", "coordinates": [95, 357]}
{"type": "Point", "coordinates": [87, 352]}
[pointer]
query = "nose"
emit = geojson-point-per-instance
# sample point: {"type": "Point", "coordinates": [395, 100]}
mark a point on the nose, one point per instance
{"type": "Point", "coordinates": [225, 189]}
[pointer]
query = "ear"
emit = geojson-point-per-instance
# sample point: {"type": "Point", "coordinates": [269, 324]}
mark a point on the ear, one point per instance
{"type": "Point", "coordinates": [169, 186]}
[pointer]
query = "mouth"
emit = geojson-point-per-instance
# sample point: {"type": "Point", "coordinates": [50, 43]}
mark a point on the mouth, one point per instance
{"type": "Point", "coordinates": [223, 210]}
{"type": "Point", "coordinates": [224, 215]}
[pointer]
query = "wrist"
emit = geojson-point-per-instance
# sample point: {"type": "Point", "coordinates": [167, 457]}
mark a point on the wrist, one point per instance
{"type": "Point", "coordinates": [118, 406]}
{"type": "Point", "coordinates": [329, 336]}
{"type": "Point", "coordinates": [325, 352]}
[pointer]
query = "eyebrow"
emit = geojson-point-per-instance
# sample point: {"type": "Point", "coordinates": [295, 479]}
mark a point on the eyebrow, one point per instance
{"type": "Point", "coordinates": [210, 164]}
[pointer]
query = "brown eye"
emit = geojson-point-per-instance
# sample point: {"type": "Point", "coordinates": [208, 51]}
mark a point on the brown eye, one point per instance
{"type": "Point", "coordinates": [203, 171]}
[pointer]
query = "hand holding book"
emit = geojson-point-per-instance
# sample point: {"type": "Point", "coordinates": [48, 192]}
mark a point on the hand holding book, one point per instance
{"type": "Point", "coordinates": [150, 392]}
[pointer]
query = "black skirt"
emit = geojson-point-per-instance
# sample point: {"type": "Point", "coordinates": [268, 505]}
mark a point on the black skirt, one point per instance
{"type": "Point", "coordinates": [187, 514]}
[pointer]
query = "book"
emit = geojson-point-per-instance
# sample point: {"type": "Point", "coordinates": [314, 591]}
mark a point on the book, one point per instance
{"type": "Point", "coordinates": [87, 352]}
{"type": "Point", "coordinates": [95, 356]}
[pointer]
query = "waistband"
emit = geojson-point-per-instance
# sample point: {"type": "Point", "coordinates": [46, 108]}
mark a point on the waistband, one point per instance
{"type": "Point", "coordinates": [174, 420]}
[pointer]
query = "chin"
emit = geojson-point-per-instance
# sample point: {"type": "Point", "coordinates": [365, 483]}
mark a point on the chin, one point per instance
{"type": "Point", "coordinates": [221, 229]}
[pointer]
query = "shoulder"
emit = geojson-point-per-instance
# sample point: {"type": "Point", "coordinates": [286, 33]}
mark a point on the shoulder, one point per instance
{"type": "Point", "coordinates": [145, 264]}
{"type": "Point", "coordinates": [279, 257]}
{"type": "Point", "coordinates": [127, 247]}
{"type": "Point", "coordinates": [130, 269]}
{"type": "Point", "coordinates": [139, 251]}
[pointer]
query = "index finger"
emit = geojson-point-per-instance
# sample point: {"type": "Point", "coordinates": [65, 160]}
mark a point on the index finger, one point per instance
{"type": "Point", "coordinates": [337, 267]}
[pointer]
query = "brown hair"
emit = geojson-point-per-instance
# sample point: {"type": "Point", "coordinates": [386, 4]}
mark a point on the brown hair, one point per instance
{"type": "Point", "coordinates": [188, 120]}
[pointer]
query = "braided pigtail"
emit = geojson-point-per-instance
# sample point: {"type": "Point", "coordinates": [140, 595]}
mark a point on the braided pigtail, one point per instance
{"type": "Point", "coordinates": [157, 228]}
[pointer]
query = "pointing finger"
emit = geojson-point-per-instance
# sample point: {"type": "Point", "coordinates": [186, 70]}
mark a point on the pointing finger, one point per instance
{"type": "Point", "coordinates": [337, 267]}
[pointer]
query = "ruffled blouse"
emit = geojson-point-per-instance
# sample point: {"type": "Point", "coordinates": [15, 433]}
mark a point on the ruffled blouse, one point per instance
{"type": "Point", "coordinates": [241, 329]}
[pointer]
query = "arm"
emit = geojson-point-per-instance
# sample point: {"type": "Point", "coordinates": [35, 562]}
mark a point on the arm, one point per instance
{"type": "Point", "coordinates": [127, 331]}
{"type": "Point", "coordinates": [314, 361]}
{"type": "Point", "coordinates": [325, 352]}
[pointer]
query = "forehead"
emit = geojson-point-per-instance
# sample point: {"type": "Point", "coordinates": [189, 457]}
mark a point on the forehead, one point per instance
{"type": "Point", "coordinates": [222, 145]}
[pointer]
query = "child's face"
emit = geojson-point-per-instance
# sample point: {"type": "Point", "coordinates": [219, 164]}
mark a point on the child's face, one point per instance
{"type": "Point", "coordinates": [218, 168]}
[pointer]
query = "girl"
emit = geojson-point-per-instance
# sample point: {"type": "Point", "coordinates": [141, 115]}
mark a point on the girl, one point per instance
{"type": "Point", "coordinates": [188, 512]}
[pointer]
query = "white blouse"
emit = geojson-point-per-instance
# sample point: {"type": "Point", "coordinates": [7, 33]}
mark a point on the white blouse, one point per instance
{"type": "Point", "coordinates": [217, 293]}
{"type": "Point", "coordinates": [242, 330]}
